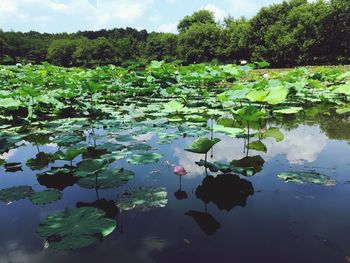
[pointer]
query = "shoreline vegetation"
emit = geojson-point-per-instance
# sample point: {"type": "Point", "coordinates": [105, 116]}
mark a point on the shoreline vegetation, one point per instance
{"type": "Point", "coordinates": [292, 33]}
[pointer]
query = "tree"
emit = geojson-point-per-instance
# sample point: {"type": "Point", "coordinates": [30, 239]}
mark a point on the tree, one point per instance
{"type": "Point", "coordinates": [60, 52]}
{"type": "Point", "coordinates": [199, 43]}
{"type": "Point", "coordinates": [199, 17]}
{"type": "Point", "coordinates": [161, 46]}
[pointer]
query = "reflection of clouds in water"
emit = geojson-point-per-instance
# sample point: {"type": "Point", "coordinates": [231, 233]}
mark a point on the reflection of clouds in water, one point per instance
{"type": "Point", "coordinates": [8, 155]}
{"type": "Point", "coordinates": [14, 253]}
{"type": "Point", "coordinates": [300, 145]}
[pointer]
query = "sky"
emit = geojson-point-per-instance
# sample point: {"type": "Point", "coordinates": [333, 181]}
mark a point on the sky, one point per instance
{"type": "Point", "coordinates": [56, 16]}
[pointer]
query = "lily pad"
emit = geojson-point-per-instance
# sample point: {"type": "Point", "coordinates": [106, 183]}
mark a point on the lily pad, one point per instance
{"type": "Point", "coordinates": [202, 145]}
{"type": "Point", "coordinates": [107, 179]}
{"type": "Point", "coordinates": [212, 167]}
{"type": "Point", "coordinates": [145, 158]}
{"type": "Point", "coordinates": [45, 197]}
{"type": "Point", "coordinates": [143, 198]}
{"type": "Point", "coordinates": [289, 110]}
{"type": "Point", "coordinates": [75, 228]}
{"type": "Point", "coordinates": [15, 193]}
{"type": "Point", "coordinates": [139, 147]}
{"type": "Point", "coordinates": [306, 177]}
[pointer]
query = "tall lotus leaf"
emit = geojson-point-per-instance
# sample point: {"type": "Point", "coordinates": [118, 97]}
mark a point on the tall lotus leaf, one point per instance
{"type": "Point", "coordinates": [202, 145]}
{"type": "Point", "coordinates": [75, 228]}
{"type": "Point", "coordinates": [143, 198]}
{"type": "Point", "coordinates": [229, 131]}
{"type": "Point", "coordinates": [15, 193]}
{"type": "Point", "coordinates": [257, 146]}
{"type": "Point", "coordinates": [276, 95]}
{"type": "Point", "coordinates": [69, 155]}
{"type": "Point", "coordinates": [145, 158]}
{"type": "Point", "coordinates": [274, 133]}
{"type": "Point", "coordinates": [45, 197]}
{"type": "Point", "coordinates": [250, 113]}
{"type": "Point", "coordinates": [90, 167]}
{"type": "Point", "coordinates": [257, 95]}
{"type": "Point", "coordinates": [107, 179]}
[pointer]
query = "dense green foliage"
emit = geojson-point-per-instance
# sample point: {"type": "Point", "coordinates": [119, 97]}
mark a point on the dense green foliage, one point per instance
{"type": "Point", "coordinates": [295, 32]}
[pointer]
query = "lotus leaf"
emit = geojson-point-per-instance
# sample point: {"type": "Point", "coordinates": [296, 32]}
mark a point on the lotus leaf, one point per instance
{"type": "Point", "coordinates": [106, 179]}
{"type": "Point", "coordinates": [306, 177]}
{"type": "Point", "coordinates": [202, 145]}
{"type": "Point", "coordinates": [90, 167]}
{"type": "Point", "coordinates": [145, 158]}
{"type": "Point", "coordinates": [15, 193]}
{"type": "Point", "coordinates": [75, 228]}
{"type": "Point", "coordinates": [45, 197]}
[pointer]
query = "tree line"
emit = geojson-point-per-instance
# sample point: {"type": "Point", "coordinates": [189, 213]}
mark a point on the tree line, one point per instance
{"type": "Point", "coordinates": [294, 32]}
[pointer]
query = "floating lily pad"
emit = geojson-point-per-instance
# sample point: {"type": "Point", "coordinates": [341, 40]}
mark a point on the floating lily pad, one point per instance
{"type": "Point", "coordinates": [142, 198]}
{"type": "Point", "coordinates": [139, 147]}
{"type": "Point", "coordinates": [124, 138]}
{"type": "Point", "coordinates": [306, 177]}
{"type": "Point", "coordinates": [107, 179]}
{"type": "Point", "coordinates": [289, 110]}
{"type": "Point", "coordinates": [15, 193]}
{"type": "Point", "coordinates": [167, 138]}
{"type": "Point", "coordinates": [45, 197]}
{"type": "Point", "coordinates": [111, 147]}
{"type": "Point", "coordinates": [202, 145]}
{"type": "Point", "coordinates": [69, 155]}
{"type": "Point", "coordinates": [75, 228]}
{"type": "Point", "coordinates": [145, 158]}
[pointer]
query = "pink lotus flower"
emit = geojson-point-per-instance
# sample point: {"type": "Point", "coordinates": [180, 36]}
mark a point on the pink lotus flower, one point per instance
{"type": "Point", "coordinates": [179, 170]}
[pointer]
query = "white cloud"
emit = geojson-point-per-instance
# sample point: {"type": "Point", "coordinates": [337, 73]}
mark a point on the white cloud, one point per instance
{"type": "Point", "coordinates": [168, 28]}
{"type": "Point", "coordinates": [219, 13]}
{"type": "Point", "coordinates": [73, 15]}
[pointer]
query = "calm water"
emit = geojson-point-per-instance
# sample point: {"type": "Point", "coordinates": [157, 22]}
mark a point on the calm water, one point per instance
{"type": "Point", "coordinates": [251, 219]}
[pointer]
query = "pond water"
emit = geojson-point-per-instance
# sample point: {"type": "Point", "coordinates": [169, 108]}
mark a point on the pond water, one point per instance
{"type": "Point", "coordinates": [211, 216]}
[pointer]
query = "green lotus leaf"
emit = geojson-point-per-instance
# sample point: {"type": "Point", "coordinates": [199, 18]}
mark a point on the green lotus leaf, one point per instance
{"type": "Point", "coordinates": [107, 179]}
{"type": "Point", "coordinates": [69, 155]}
{"type": "Point", "coordinates": [145, 158]}
{"type": "Point", "coordinates": [111, 147]}
{"type": "Point", "coordinates": [167, 138]}
{"type": "Point", "coordinates": [250, 114]}
{"type": "Point", "coordinates": [257, 95]}
{"type": "Point", "coordinates": [15, 193]}
{"type": "Point", "coordinates": [75, 228]}
{"type": "Point", "coordinates": [306, 177]}
{"type": "Point", "coordinates": [142, 198]}
{"type": "Point", "coordinates": [45, 197]}
{"type": "Point", "coordinates": [90, 167]}
{"type": "Point", "coordinates": [124, 138]}
{"type": "Point", "coordinates": [232, 132]}
{"type": "Point", "coordinates": [67, 139]}
{"type": "Point", "coordinates": [139, 147]}
{"type": "Point", "coordinates": [257, 146]}
{"type": "Point", "coordinates": [173, 106]}
{"type": "Point", "coordinates": [248, 166]}
{"type": "Point", "coordinates": [276, 95]}
{"type": "Point", "coordinates": [274, 133]}
{"type": "Point", "coordinates": [202, 145]}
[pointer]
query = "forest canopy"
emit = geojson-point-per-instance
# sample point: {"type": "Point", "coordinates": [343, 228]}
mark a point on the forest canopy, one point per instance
{"type": "Point", "coordinates": [295, 32]}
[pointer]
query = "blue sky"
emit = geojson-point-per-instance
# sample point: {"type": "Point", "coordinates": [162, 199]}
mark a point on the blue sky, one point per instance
{"type": "Point", "coordinates": [153, 15]}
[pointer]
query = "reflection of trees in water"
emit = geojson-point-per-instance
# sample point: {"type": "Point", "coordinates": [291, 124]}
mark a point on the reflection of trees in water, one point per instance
{"type": "Point", "coordinates": [226, 191]}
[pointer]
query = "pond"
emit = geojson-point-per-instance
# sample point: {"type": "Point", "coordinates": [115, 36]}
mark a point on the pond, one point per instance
{"type": "Point", "coordinates": [278, 193]}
